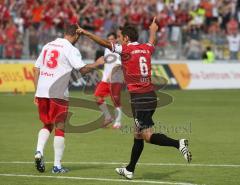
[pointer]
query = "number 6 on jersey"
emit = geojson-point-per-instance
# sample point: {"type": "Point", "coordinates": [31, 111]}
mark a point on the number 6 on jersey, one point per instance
{"type": "Point", "coordinates": [143, 66]}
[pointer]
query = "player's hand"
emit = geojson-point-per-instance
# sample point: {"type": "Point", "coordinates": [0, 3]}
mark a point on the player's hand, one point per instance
{"type": "Point", "coordinates": [153, 27]}
{"type": "Point", "coordinates": [35, 101]}
{"type": "Point", "coordinates": [80, 30]}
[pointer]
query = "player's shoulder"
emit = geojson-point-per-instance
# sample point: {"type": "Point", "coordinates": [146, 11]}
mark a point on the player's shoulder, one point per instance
{"type": "Point", "coordinates": [107, 51]}
{"type": "Point", "coordinates": [134, 45]}
{"type": "Point", "coordinates": [149, 44]}
{"type": "Point", "coordinates": [61, 43]}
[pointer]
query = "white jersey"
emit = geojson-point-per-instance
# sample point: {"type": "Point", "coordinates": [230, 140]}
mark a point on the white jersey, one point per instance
{"type": "Point", "coordinates": [111, 60]}
{"type": "Point", "coordinates": [56, 61]}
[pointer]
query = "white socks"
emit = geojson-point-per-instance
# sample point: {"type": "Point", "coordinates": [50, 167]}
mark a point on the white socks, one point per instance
{"type": "Point", "coordinates": [118, 115]}
{"type": "Point", "coordinates": [104, 109]}
{"type": "Point", "coordinates": [43, 136]}
{"type": "Point", "coordinates": [58, 145]}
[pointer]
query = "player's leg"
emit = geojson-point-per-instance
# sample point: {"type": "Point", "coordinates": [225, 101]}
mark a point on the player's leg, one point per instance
{"type": "Point", "coordinates": [44, 133]}
{"type": "Point", "coordinates": [145, 106]}
{"type": "Point", "coordinates": [43, 136]}
{"type": "Point", "coordinates": [137, 147]}
{"type": "Point", "coordinates": [146, 122]}
{"type": "Point", "coordinates": [161, 139]}
{"type": "Point", "coordinates": [115, 92]}
{"type": "Point", "coordinates": [59, 146]}
{"type": "Point", "coordinates": [59, 109]}
{"type": "Point", "coordinates": [101, 92]}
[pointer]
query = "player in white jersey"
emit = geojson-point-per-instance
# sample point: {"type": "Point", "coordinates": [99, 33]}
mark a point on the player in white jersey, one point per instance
{"type": "Point", "coordinates": [110, 84]}
{"type": "Point", "coordinates": [51, 76]}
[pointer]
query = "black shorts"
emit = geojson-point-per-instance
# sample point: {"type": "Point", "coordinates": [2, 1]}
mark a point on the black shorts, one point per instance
{"type": "Point", "coordinates": [143, 107]}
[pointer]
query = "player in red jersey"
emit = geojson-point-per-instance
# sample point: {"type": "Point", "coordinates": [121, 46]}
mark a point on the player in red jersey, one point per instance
{"type": "Point", "coordinates": [51, 78]}
{"type": "Point", "coordinates": [136, 62]}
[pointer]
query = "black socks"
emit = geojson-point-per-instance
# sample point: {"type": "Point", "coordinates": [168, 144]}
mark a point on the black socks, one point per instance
{"type": "Point", "coordinates": [136, 152]}
{"type": "Point", "coordinates": [157, 139]}
{"type": "Point", "coordinates": [163, 140]}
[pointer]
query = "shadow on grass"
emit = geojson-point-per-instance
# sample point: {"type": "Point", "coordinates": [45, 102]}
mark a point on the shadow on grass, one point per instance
{"type": "Point", "coordinates": [159, 175]}
{"type": "Point", "coordinates": [83, 167]}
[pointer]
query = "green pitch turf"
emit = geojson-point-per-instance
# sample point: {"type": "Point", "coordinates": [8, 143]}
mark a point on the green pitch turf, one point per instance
{"type": "Point", "coordinates": [209, 119]}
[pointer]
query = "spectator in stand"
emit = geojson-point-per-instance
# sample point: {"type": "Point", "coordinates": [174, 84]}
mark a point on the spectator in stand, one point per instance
{"type": "Point", "coordinates": [18, 48]}
{"type": "Point", "coordinates": [234, 45]}
{"type": "Point", "coordinates": [33, 42]}
{"type": "Point", "coordinates": [198, 16]}
{"type": "Point", "coordinates": [208, 7]}
{"type": "Point", "coordinates": [2, 41]}
{"type": "Point", "coordinates": [37, 13]}
{"type": "Point", "coordinates": [193, 49]}
{"type": "Point", "coordinates": [232, 26]}
{"type": "Point", "coordinates": [9, 49]}
{"type": "Point", "coordinates": [103, 16]}
{"type": "Point", "coordinates": [11, 31]}
{"type": "Point", "coordinates": [208, 56]}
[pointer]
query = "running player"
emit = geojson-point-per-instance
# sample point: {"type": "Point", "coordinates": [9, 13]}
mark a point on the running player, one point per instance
{"type": "Point", "coordinates": [55, 63]}
{"type": "Point", "coordinates": [110, 84]}
{"type": "Point", "coordinates": [136, 63]}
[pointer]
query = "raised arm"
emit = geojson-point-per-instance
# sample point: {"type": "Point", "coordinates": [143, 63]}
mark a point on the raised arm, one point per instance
{"type": "Point", "coordinates": [152, 32]}
{"type": "Point", "coordinates": [95, 38]}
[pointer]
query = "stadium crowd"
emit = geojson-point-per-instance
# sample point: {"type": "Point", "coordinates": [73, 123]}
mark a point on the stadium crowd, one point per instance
{"type": "Point", "coordinates": [189, 25]}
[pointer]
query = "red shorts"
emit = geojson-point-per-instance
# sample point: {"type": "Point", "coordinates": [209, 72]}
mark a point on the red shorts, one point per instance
{"type": "Point", "coordinates": [52, 110]}
{"type": "Point", "coordinates": [105, 89]}
{"type": "Point", "coordinates": [113, 89]}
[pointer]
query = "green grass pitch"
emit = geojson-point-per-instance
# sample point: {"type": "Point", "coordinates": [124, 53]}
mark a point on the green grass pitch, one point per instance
{"type": "Point", "coordinates": [209, 119]}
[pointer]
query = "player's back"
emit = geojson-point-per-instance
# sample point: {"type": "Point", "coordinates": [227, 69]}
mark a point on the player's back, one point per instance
{"type": "Point", "coordinates": [136, 60]}
{"type": "Point", "coordinates": [56, 62]}
{"type": "Point", "coordinates": [111, 61]}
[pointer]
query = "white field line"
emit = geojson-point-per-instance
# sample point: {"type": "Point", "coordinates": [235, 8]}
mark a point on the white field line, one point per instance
{"type": "Point", "coordinates": [141, 164]}
{"type": "Point", "coordinates": [98, 179]}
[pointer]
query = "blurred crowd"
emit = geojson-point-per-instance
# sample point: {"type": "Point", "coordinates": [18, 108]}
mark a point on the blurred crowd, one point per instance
{"type": "Point", "coordinates": [189, 25]}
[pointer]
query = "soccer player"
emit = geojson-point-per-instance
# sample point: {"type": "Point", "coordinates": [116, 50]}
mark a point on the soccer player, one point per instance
{"type": "Point", "coordinates": [54, 64]}
{"type": "Point", "coordinates": [136, 63]}
{"type": "Point", "coordinates": [110, 84]}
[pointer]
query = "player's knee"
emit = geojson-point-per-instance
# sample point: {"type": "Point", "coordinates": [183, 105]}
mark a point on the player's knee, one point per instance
{"type": "Point", "coordinates": [116, 101]}
{"type": "Point", "coordinates": [99, 100]}
{"type": "Point", "coordinates": [49, 127]}
{"type": "Point", "coordinates": [59, 132]}
{"type": "Point", "coordinates": [146, 137]}
{"type": "Point", "coordinates": [60, 126]}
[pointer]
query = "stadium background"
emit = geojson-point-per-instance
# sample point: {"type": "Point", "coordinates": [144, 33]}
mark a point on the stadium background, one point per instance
{"type": "Point", "coordinates": [207, 113]}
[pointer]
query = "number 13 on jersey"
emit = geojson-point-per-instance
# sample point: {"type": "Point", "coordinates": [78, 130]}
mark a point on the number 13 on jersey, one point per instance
{"type": "Point", "coordinates": [50, 58]}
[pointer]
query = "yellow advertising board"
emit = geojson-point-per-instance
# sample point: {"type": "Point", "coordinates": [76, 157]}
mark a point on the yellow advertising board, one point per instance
{"type": "Point", "coordinates": [16, 78]}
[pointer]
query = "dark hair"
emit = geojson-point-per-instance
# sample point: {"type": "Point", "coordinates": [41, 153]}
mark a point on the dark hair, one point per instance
{"type": "Point", "coordinates": [131, 32]}
{"type": "Point", "coordinates": [112, 34]}
{"type": "Point", "coordinates": [209, 48]}
{"type": "Point", "coordinates": [70, 29]}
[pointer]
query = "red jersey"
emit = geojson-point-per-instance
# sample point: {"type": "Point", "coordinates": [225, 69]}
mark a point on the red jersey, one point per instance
{"type": "Point", "coordinates": [136, 63]}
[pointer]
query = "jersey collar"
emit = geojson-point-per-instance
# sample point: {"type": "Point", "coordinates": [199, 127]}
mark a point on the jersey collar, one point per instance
{"type": "Point", "coordinates": [133, 43]}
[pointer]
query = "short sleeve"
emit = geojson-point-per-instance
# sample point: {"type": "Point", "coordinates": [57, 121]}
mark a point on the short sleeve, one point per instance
{"type": "Point", "coordinates": [106, 52]}
{"type": "Point", "coordinates": [151, 47]}
{"type": "Point", "coordinates": [117, 48]}
{"type": "Point", "coordinates": [75, 58]}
